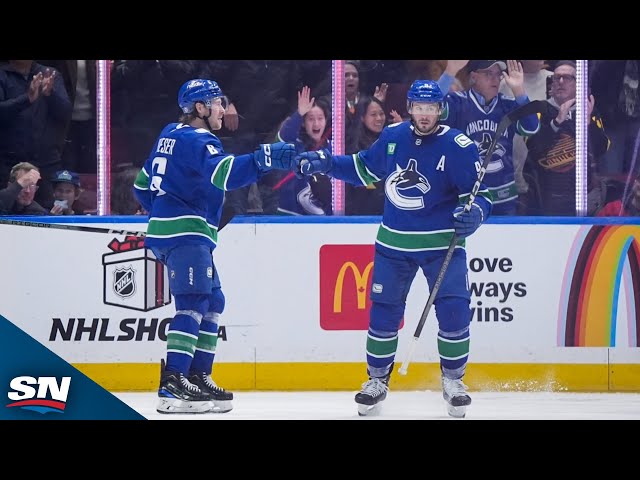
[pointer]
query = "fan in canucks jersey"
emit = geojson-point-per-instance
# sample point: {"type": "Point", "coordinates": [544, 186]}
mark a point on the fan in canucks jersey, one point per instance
{"type": "Point", "coordinates": [182, 185]}
{"type": "Point", "coordinates": [478, 111]}
{"type": "Point", "coordinates": [429, 171]}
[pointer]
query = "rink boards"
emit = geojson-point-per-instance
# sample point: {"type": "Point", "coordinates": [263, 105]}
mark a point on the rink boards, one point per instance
{"type": "Point", "coordinates": [555, 306]}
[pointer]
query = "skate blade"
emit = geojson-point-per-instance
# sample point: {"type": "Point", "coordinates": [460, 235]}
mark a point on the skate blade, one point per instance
{"type": "Point", "coordinates": [172, 405]}
{"type": "Point", "coordinates": [221, 406]}
{"type": "Point", "coordinates": [368, 410]}
{"type": "Point", "coordinates": [456, 412]}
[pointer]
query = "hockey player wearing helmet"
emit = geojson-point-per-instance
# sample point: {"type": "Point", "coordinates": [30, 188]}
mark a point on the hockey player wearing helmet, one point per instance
{"type": "Point", "coordinates": [429, 171]}
{"type": "Point", "coordinates": [425, 104]}
{"type": "Point", "coordinates": [207, 93]}
{"type": "Point", "coordinates": [182, 186]}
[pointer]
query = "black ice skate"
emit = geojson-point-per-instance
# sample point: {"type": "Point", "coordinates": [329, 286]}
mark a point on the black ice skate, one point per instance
{"type": "Point", "coordinates": [221, 398]}
{"type": "Point", "coordinates": [178, 395]}
{"type": "Point", "coordinates": [373, 392]}
{"type": "Point", "coordinates": [454, 393]}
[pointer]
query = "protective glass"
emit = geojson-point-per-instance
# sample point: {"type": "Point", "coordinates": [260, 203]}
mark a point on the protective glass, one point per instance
{"type": "Point", "coordinates": [425, 108]}
{"type": "Point", "coordinates": [219, 102]}
{"type": "Point", "coordinates": [555, 78]}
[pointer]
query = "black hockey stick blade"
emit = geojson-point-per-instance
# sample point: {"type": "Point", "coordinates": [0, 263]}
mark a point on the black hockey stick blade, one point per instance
{"type": "Point", "coordinates": [534, 106]}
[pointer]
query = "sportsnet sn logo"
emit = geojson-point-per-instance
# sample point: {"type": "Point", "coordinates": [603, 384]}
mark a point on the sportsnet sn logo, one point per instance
{"type": "Point", "coordinates": [30, 393]}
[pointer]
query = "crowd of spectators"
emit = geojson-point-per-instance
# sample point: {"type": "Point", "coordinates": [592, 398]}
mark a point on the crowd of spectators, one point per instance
{"type": "Point", "coordinates": [48, 128]}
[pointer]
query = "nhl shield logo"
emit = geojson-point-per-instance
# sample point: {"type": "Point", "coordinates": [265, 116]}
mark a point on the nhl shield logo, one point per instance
{"type": "Point", "coordinates": [124, 282]}
{"type": "Point", "coordinates": [133, 277]}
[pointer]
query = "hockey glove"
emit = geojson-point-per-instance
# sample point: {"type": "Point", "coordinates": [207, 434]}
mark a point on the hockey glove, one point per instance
{"type": "Point", "coordinates": [466, 223]}
{"type": "Point", "coordinates": [279, 155]}
{"type": "Point", "coordinates": [308, 163]}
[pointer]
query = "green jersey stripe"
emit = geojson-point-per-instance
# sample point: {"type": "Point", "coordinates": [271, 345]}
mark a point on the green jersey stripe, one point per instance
{"type": "Point", "coordinates": [416, 241]}
{"type": "Point", "coordinates": [180, 226]}
{"type": "Point", "coordinates": [222, 172]}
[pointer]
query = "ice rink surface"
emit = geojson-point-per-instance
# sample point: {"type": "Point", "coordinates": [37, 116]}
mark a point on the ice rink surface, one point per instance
{"type": "Point", "coordinates": [420, 405]}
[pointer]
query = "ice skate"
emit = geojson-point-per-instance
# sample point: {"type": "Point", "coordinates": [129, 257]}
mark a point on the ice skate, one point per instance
{"type": "Point", "coordinates": [373, 392]}
{"type": "Point", "coordinates": [178, 395]}
{"type": "Point", "coordinates": [454, 393]}
{"type": "Point", "coordinates": [221, 398]}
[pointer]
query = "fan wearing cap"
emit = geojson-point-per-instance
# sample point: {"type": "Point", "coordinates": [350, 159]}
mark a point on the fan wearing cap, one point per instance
{"type": "Point", "coordinates": [478, 110]}
{"type": "Point", "coordinates": [66, 191]}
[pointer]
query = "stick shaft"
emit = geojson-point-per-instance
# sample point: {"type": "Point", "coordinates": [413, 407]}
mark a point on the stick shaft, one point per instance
{"type": "Point", "coordinates": [78, 228]}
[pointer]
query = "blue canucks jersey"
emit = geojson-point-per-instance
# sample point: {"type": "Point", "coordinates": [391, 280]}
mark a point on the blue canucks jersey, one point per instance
{"type": "Point", "coordinates": [182, 185]}
{"type": "Point", "coordinates": [426, 178]}
{"type": "Point", "coordinates": [463, 110]}
{"type": "Point", "coordinates": [297, 196]}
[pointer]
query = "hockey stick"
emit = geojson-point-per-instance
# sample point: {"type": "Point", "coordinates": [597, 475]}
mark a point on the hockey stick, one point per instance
{"type": "Point", "coordinates": [77, 228]}
{"type": "Point", "coordinates": [536, 106]}
{"type": "Point", "coordinates": [60, 226]}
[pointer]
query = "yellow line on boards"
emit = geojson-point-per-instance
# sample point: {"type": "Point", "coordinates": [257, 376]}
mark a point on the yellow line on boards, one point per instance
{"type": "Point", "coordinates": [526, 377]}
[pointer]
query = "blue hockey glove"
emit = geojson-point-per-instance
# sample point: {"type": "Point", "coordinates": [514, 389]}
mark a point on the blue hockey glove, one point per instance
{"type": "Point", "coordinates": [466, 223]}
{"type": "Point", "coordinates": [279, 155]}
{"type": "Point", "coordinates": [308, 163]}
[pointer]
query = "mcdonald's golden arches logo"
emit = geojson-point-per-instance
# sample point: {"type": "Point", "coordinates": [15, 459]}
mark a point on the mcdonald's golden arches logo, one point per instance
{"type": "Point", "coordinates": [361, 279]}
{"type": "Point", "coordinates": [345, 283]}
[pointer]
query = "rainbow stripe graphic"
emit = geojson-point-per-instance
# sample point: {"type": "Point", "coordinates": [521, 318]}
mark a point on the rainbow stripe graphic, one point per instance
{"type": "Point", "coordinates": [603, 259]}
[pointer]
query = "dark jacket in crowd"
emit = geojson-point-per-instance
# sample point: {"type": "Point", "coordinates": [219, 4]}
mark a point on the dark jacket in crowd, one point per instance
{"type": "Point", "coordinates": [550, 168]}
{"type": "Point", "coordinates": [264, 92]}
{"type": "Point", "coordinates": [9, 206]}
{"type": "Point", "coordinates": [30, 132]}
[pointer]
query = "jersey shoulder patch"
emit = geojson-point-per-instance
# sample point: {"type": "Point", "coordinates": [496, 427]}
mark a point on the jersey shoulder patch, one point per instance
{"type": "Point", "coordinates": [462, 140]}
{"type": "Point", "coordinates": [392, 125]}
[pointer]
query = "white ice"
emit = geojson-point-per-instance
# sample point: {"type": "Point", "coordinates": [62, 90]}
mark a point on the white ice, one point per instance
{"type": "Point", "coordinates": [421, 405]}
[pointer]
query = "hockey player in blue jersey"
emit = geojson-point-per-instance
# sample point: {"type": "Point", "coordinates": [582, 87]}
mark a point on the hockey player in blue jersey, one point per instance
{"type": "Point", "coordinates": [182, 185]}
{"type": "Point", "coordinates": [428, 171]}
{"type": "Point", "coordinates": [478, 111]}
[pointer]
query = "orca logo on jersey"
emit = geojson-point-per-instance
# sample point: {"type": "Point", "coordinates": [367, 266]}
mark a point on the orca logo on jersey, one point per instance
{"type": "Point", "coordinates": [483, 146]}
{"type": "Point", "coordinates": [406, 188]}
{"type": "Point", "coordinates": [306, 201]}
